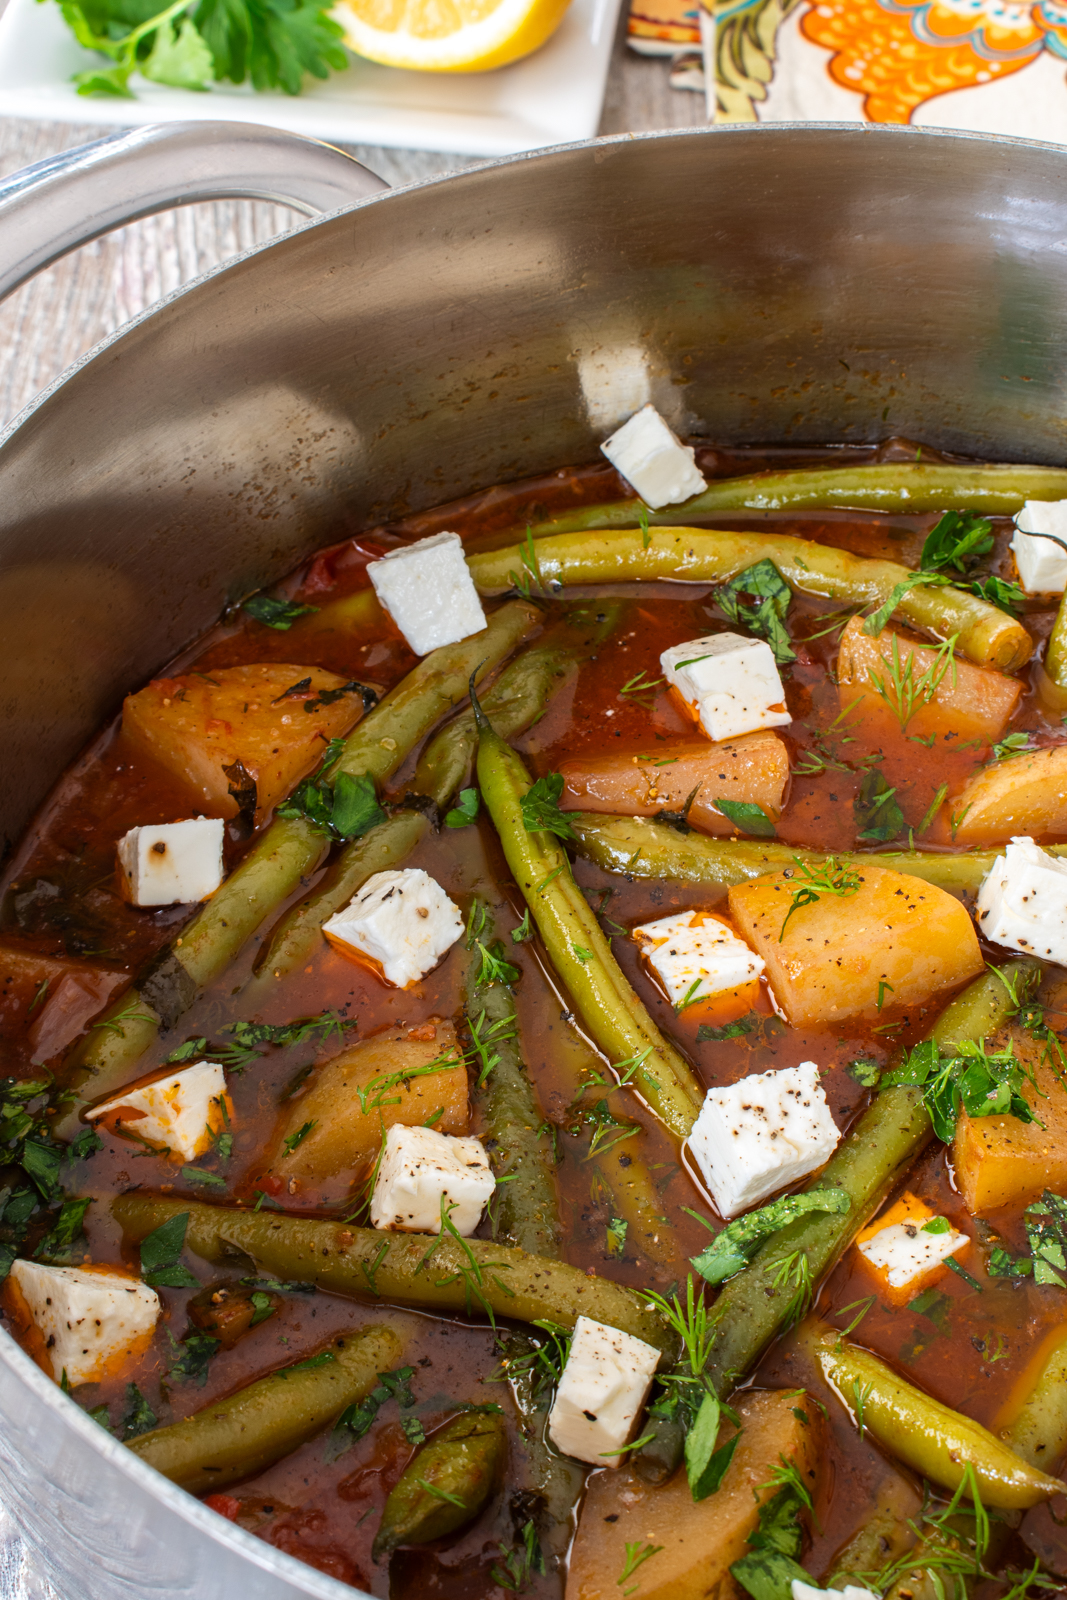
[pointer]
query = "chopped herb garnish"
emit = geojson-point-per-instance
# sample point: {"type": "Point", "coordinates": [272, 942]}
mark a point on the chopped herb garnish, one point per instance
{"type": "Point", "coordinates": [137, 1416]}
{"type": "Point", "coordinates": [161, 1250]}
{"type": "Point", "coordinates": [747, 816]}
{"type": "Point", "coordinates": [273, 613]}
{"type": "Point", "coordinates": [764, 583]}
{"type": "Point", "coordinates": [729, 1030]}
{"type": "Point", "coordinates": [540, 807]}
{"type": "Point", "coordinates": [877, 814]}
{"type": "Point", "coordinates": [832, 878]}
{"type": "Point", "coordinates": [981, 1083]}
{"type": "Point", "coordinates": [465, 811]}
{"type": "Point", "coordinates": [734, 1247]}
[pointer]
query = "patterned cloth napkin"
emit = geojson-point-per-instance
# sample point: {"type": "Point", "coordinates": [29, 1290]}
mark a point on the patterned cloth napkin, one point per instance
{"type": "Point", "coordinates": [994, 66]}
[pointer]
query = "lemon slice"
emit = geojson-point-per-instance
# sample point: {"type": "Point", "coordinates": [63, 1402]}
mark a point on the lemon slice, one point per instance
{"type": "Point", "coordinates": [448, 35]}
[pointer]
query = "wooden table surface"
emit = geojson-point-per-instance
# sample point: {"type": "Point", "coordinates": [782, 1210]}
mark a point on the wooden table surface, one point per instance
{"type": "Point", "coordinates": [51, 321]}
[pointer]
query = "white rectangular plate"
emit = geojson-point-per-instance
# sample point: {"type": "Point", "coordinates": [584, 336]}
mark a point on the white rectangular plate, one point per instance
{"type": "Point", "coordinates": [552, 97]}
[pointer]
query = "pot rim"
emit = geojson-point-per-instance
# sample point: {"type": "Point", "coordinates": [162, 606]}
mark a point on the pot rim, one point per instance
{"type": "Point", "coordinates": [602, 147]}
{"type": "Point", "coordinates": [265, 1557]}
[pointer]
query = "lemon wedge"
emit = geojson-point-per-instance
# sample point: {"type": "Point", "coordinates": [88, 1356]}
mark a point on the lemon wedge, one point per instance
{"type": "Point", "coordinates": [448, 35]}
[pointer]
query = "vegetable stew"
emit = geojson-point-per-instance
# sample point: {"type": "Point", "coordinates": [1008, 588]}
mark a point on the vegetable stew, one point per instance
{"type": "Point", "coordinates": [578, 1108]}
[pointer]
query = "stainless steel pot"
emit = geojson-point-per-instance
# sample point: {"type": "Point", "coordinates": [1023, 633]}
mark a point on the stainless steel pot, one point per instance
{"type": "Point", "coordinates": [778, 283]}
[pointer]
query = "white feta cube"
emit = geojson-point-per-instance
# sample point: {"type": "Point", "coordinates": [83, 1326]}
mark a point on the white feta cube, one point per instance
{"type": "Point", "coordinates": [762, 1133]}
{"type": "Point", "coordinates": [428, 591]}
{"type": "Point", "coordinates": [1022, 903]}
{"type": "Point", "coordinates": [811, 1591]}
{"type": "Point", "coordinates": [1042, 563]}
{"type": "Point", "coordinates": [422, 1171]}
{"type": "Point", "coordinates": [653, 460]}
{"type": "Point", "coordinates": [906, 1251]}
{"type": "Point", "coordinates": [172, 863]}
{"type": "Point", "coordinates": [729, 684]}
{"type": "Point", "coordinates": [91, 1320]}
{"type": "Point", "coordinates": [181, 1113]}
{"type": "Point", "coordinates": [694, 955]}
{"type": "Point", "coordinates": [400, 923]}
{"type": "Point", "coordinates": [604, 1385]}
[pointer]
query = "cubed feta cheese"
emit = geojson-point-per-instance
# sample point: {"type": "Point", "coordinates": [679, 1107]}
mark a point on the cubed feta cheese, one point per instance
{"type": "Point", "coordinates": [1042, 563]}
{"type": "Point", "coordinates": [401, 923]}
{"type": "Point", "coordinates": [1022, 903]}
{"type": "Point", "coordinates": [653, 460]}
{"type": "Point", "coordinates": [729, 684]}
{"type": "Point", "coordinates": [695, 955]}
{"type": "Point", "coordinates": [429, 592]}
{"type": "Point", "coordinates": [811, 1591]}
{"type": "Point", "coordinates": [762, 1133]}
{"type": "Point", "coordinates": [182, 1112]}
{"type": "Point", "coordinates": [906, 1253]}
{"type": "Point", "coordinates": [91, 1320]}
{"type": "Point", "coordinates": [422, 1170]}
{"type": "Point", "coordinates": [604, 1384]}
{"type": "Point", "coordinates": [172, 863]}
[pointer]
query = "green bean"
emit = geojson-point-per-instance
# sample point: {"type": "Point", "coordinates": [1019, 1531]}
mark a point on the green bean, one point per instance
{"type": "Point", "coordinates": [519, 696]}
{"type": "Point", "coordinates": [634, 1195]}
{"type": "Point", "coordinates": [438, 1272]}
{"type": "Point", "coordinates": [557, 1480]}
{"type": "Point", "coordinates": [641, 848]}
{"type": "Point", "coordinates": [289, 851]}
{"type": "Point", "coordinates": [526, 1203]}
{"type": "Point", "coordinates": [884, 1537]}
{"type": "Point", "coordinates": [694, 555]}
{"type": "Point", "coordinates": [900, 486]}
{"type": "Point", "coordinates": [1056, 649]}
{"type": "Point", "coordinates": [870, 1159]}
{"type": "Point", "coordinates": [936, 1442]}
{"type": "Point", "coordinates": [240, 1436]}
{"type": "Point", "coordinates": [1038, 1433]}
{"type": "Point", "coordinates": [445, 1484]}
{"type": "Point", "coordinates": [610, 1010]}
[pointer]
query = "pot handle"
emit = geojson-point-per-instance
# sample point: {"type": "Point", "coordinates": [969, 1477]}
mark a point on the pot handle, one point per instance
{"type": "Point", "coordinates": [64, 201]}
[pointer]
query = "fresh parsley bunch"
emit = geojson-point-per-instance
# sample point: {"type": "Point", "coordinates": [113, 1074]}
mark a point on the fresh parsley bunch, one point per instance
{"type": "Point", "coordinates": [190, 43]}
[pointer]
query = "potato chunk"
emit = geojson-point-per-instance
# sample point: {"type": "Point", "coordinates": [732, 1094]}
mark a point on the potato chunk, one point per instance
{"type": "Point", "coordinates": [699, 1539]}
{"type": "Point", "coordinates": [399, 1076]}
{"type": "Point", "coordinates": [753, 767]}
{"type": "Point", "coordinates": [1000, 1161]}
{"type": "Point", "coordinates": [895, 938]}
{"type": "Point", "coordinates": [198, 725]}
{"type": "Point", "coordinates": [57, 995]}
{"type": "Point", "coordinates": [1026, 795]}
{"type": "Point", "coordinates": [973, 702]}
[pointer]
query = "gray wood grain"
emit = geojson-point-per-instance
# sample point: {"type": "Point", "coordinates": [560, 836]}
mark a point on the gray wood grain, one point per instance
{"type": "Point", "coordinates": [50, 322]}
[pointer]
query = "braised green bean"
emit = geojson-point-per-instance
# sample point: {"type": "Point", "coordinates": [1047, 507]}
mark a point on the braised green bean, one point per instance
{"type": "Point", "coordinates": [438, 1272]}
{"type": "Point", "coordinates": [288, 852]}
{"type": "Point", "coordinates": [445, 1484]}
{"type": "Point", "coordinates": [610, 1010]}
{"type": "Point", "coordinates": [526, 1204]}
{"type": "Point", "coordinates": [983, 634]}
{"type": "Point", "coordinates": [935, 1441]}
{"type": "Point", "coordinates": [900, 486]}
{"type": "Point", "coordinates": [641, 848]}
{"type": "Point", "coordinates": [1056, 649]}
{"type": "Point", "coordinates": [519, 696]}
{"type": "Point", "coordinates": [240, 1436]}
{"type": "Point", "coordinates": [1038, 1436]}
{"type": "Point", "coordinates": [557, 1480]}
{"type": "Point", "coordinates": [866, 1164]}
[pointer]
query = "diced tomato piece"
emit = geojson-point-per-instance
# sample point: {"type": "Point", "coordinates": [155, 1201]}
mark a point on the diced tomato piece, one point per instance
{"type": "Point", "coordinates": [225, 1504]}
